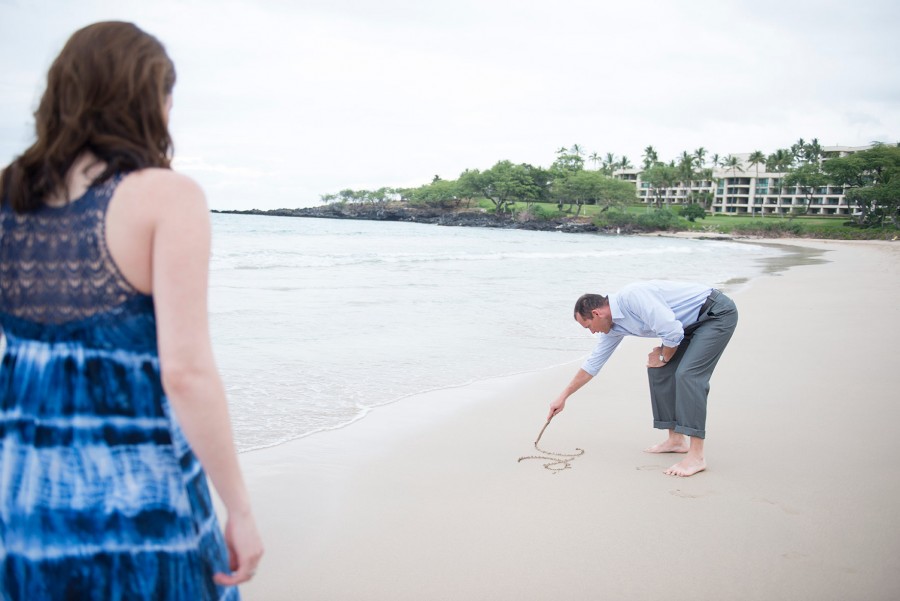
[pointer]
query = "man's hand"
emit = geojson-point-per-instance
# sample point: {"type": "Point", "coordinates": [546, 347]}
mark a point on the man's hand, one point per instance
{"type": "Point", "coordinates": [558, 405]}
{"type": "Point", "coordinates": [581, 378]}
{"type": "Point", "coordinates": [653, 357]}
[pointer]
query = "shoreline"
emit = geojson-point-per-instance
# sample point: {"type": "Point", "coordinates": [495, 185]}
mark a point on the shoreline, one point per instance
{"type": "Point", "coordinates": [469, 217]}
{"type": "Point", "coordinates": [424, 498]}
{"type": "Point", "coordinates": [795, 256]}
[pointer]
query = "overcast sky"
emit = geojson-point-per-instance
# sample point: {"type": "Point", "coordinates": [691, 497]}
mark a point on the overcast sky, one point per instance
{"type": "Point", "coordinates": [278, 102]}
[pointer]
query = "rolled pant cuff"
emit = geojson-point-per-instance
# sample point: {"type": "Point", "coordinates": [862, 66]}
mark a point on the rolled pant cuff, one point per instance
{"type": "Point", "coordinates": [690, 432]}
{"type": "Point", "coordinates": [663, 425]}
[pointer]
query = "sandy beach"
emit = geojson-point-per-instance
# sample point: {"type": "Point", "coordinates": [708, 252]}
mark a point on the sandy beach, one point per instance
{"type": "Point", "coordinates": [424, 499]}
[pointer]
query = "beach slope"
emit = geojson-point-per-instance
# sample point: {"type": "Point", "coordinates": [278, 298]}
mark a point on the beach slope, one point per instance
{"type": "Point", "coordinates": [425, 500]}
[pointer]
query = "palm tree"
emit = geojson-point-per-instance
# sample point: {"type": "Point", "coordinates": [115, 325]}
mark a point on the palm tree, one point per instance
{"type": "Point", "coordinates": [595, 159]}
{"type": "Point", "coordinates": [778, 197]}
{"type": "Point", "coordinates": [733, 163]}
{"type": "Point", "coordinates": [624, 163]}
{"type": "Point", "coordinates": [814, 151]}
{"type": "Point", "coordinates": [609, 163]}
{"type": "Point", "coordinates": [779, 161]}
{"type": "Point", "coordinates": [576, 150]}
{"type": "Point", "coordinates": [756, 157]}
{"type": "Point", "coordinates": [686, 171]}
{"type": "Point", "coordinates": [715, 160]}
{"type": "Point", "coordinates": [700, 155]}
{"type": "Point", "coordinates": [650, 157]}
{"type": "Point", "coordinates": [798, 149]}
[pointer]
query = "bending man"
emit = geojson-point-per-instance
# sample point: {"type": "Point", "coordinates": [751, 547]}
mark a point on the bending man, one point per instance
{"type": "Point", "coordinates": [694, 323]}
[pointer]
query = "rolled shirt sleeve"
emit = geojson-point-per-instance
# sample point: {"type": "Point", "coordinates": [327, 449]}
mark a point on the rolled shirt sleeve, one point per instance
{"type": "Point", "coordinates": [601, 353]}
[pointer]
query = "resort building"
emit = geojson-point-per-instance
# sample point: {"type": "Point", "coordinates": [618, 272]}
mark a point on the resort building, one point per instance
{"type": "Point", "coordinates": [748, 189]}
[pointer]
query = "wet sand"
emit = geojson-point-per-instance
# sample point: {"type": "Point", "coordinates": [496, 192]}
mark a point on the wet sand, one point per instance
{"type": "Point", "coordinates": [425, 499]}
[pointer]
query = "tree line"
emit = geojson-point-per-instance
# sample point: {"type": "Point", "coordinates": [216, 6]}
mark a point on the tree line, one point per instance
{"type": "Point", "coordinates": [565, 183]}
{"type": "Point", "coordinates": [870, 180]}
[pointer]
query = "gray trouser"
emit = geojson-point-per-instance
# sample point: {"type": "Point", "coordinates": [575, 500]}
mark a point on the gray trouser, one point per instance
{"type": "Point", "coordinates": [678, 390]}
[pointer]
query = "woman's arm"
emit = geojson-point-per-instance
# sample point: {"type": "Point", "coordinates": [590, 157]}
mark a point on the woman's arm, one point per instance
{"type": "Point", "coordinates": [180, 273]}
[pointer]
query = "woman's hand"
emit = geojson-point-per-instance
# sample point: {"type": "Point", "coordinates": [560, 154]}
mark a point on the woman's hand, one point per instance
{"type": "Point", "coordinates": [245, 549]}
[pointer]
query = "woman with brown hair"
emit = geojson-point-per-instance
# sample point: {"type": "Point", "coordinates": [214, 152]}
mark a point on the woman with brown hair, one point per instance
{"type": "Point", "coordinates": [112, 411]}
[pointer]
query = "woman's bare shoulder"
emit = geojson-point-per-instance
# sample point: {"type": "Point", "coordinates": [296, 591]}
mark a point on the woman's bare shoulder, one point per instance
{"type": "Point", "coordinates": [161, 181]}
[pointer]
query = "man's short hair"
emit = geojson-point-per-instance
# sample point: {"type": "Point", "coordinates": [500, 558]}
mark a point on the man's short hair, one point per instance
{"type": "Point", "coordinates": [586, 303]}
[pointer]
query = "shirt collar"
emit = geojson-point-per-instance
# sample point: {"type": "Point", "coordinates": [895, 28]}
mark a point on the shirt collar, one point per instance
{"type": "Point", "coordinates": [614, 308]}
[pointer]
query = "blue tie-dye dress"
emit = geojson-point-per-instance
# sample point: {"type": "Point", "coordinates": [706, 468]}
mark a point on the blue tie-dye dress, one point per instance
{"type": "Point", "coordinates": [100, 495]}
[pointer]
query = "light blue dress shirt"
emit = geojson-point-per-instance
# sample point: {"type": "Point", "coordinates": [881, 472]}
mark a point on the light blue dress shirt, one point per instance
{"type": "Point", "coordinates": [653, 309]}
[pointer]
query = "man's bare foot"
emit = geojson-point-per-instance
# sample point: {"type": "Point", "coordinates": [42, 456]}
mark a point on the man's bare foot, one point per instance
{"type": "Point", "coordinates": [678, 444]}
{"type": "Point", "coordinates": [687, 467]}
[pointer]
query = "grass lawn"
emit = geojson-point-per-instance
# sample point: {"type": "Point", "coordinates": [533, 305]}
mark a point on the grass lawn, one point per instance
{"type": "Point", "coordinates": [770, 225]}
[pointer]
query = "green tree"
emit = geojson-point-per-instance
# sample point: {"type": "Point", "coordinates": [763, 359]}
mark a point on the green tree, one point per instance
{"type": "Point", "coordinates": [382, 195]}
{"type": "Point", "coordinates": [798, 150]}
{"type": "Point", "coordinates": [469, 184]}
{"type": "Point", "coordinates": [813, 152]}
{"type": "Point", "coordinates": [591, 187]}
{"type": "Point", "coordinates": [609, 163]}
{"type": "Point", "coordinates": [779, 161]}
{"type": "Point", "coordinates": [692, 212]}
{"type": "Point", "coordinates": [503, 184]}
{"type": "Point", "coordinates": [686, 173]}
{"type": "Point", "coordinates": [733, 163]}
{"type": "Point", "coordinates": [808, 179]}
{"type": "Point", "coordinates": [700, 155]}
{"type": "Point", "coordinates": [439, 193]}
{"type": "Point", "coordinates": [757, 158]}
{"type": "Point", "coordinates": [568, 160]}
{"type": "Point", "coordinates": [660, 176]}
{"type": "Point", "coordinates": [871, 181]}
{"type": "Point", "coordinates": [542, 180]}
{"type": "Point", "coordinates": [650, 157]}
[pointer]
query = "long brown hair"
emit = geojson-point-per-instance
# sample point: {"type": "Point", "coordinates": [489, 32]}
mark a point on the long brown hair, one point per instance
{"type": "Point", "coordinates": [106, 93]}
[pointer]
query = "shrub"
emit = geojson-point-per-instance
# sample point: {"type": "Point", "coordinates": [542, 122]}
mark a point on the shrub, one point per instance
{"type": "Point", "coordinates": [614, 218]}
{"type": "Point", "coordinates": [660, 219]}
{"type": "Point", "coordinates": [770, 228]}
{"type": "Point", "coordinates": [541, 212]}
{"type": "Point", "coordinates": [692, 212]}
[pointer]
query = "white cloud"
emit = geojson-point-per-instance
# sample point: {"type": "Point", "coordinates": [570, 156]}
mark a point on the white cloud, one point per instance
{"type": "Point", "coordinates": [279, 102]}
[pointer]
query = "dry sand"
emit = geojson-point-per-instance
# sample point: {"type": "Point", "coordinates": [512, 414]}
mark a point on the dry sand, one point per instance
{"type": "Point", "coordinates": [424, 500]}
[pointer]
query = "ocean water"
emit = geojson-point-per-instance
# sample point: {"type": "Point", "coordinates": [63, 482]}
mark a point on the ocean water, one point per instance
{"type": "Point", "coordinates": [316, 322]}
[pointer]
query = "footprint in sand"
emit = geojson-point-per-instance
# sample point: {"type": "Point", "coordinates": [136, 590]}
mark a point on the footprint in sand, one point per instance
{"type": "Point", "coordinates": [684, 495]}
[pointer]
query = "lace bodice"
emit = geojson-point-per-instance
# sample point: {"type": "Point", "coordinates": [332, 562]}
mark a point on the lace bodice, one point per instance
{"type": "Point", "coordinates": [55, 267]}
